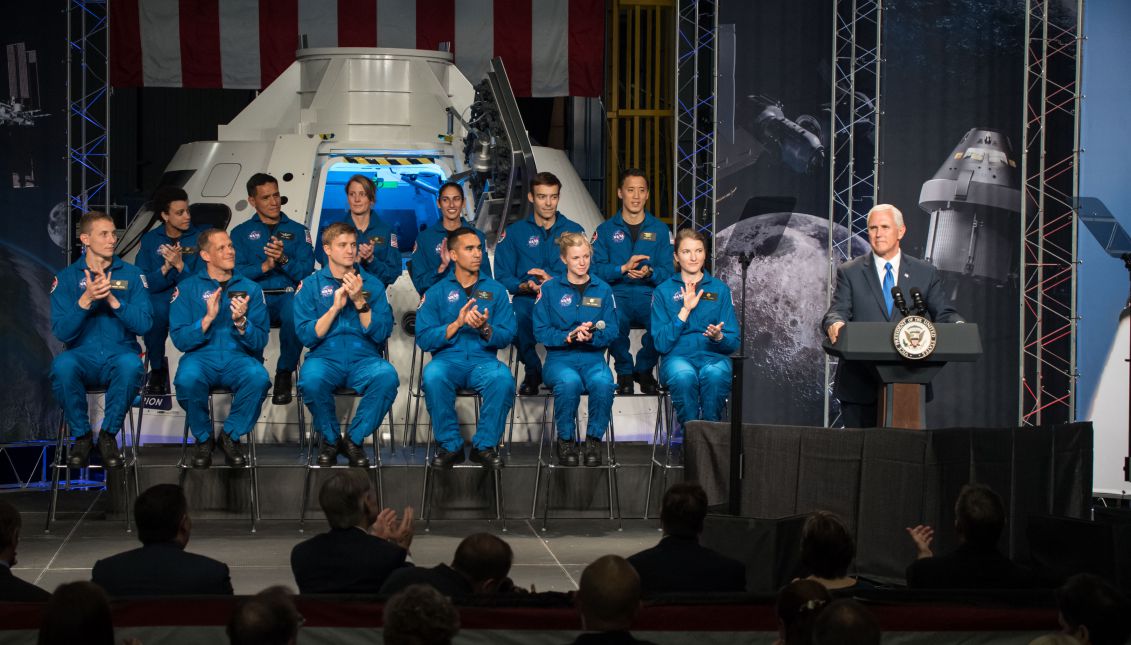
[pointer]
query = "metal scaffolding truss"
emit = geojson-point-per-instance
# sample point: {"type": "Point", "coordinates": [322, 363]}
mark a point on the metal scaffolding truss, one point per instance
{"type": "Point", "coordinates": [88, 107]}
{"type": "Point", "coordinates": [1050, 166]}
{"type": "Point", "coordinates": [696, 83]}
{"type": "Point", "coordinates": [854, 144]}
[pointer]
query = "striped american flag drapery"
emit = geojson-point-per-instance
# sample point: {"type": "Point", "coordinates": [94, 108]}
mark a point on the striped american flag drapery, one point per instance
{"type": "Point", "coordinates": [550, 47]}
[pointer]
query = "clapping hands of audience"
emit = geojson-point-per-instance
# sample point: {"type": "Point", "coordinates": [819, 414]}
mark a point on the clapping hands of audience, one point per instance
{"type": "Point", "coordinates": [388, 527]}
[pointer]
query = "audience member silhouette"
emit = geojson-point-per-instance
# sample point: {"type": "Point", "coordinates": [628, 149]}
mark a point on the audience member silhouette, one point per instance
{"type": "Point", "coordinates": [267, 618]}
{"type": "Point", "coordinates": [12, 589]}
{"type": "Point", "coordinates": [420, 615]}
{"type": "Point", "coordinates": [480, 566]}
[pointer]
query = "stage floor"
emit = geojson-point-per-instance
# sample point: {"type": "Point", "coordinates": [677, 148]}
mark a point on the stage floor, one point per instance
{"type": "Point", "coordinates": [85, 532]}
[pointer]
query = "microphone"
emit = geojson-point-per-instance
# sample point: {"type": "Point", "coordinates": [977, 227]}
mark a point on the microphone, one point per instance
{"type": "Point", "coordinates": [599, 325]}
{"type": "Point", "coordinates": [917, 298]}
{"type": "Point", "coordinates": [897, 297]}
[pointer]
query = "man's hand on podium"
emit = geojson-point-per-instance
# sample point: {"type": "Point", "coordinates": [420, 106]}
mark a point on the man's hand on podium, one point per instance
{"type": "Point", "coordinates": [834, 330]}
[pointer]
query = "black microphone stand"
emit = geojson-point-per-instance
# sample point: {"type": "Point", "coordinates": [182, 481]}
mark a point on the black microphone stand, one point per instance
{"type": "Point", "coordinates": [737, 362]}
{"type": "Point", "coordinates": [1126, 257]}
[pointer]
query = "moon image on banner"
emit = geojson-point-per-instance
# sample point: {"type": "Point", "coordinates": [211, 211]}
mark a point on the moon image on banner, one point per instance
{"type": "Point", "coordinates": [57, 225]}
{"type": "Point", "coordinates": [786, 297]}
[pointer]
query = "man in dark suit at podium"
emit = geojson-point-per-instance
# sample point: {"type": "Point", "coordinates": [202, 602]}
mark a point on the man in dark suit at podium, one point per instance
{"type": "Point", "coordinates": [863, 294]}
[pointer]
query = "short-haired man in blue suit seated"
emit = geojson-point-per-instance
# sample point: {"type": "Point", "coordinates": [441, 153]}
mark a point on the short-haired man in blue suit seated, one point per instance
{"type": "Point", "coordinates": [863, 294]}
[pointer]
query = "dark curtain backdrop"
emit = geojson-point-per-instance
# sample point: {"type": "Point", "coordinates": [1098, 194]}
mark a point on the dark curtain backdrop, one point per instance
{"type": "Point", "coordinates": [950, 66]}
{"type": "Point", "coordinates": [33, 222]}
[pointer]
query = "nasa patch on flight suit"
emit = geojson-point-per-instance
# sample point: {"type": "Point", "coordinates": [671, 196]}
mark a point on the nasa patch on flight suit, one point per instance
{"type": "Point", "coordinates": [590, 301]}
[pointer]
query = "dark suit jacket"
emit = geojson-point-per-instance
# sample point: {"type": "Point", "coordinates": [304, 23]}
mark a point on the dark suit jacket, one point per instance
{"type": "Point", "coordinates": [442, 578]}
{"type": "Point", "coordinates": [681, 565]}
{"type": "Point", "coordinates": [12, 589]}
{"type": "Point", "coordinates": [859, 298]}
{"type": "Point", "coordinates": [969, 567]}
{"type": "Point", "coordinates": [161, 569]}
{"type": "Point", "coordinates": [345, 561]}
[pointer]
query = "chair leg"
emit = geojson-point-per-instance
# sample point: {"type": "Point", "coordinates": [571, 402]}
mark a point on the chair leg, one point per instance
{"type": "Point", "coordinates": [652, 462]}
{"type": "Point", "coordinates": [59, 462]}
{"type": "Point", "coordinates": [425, 493]}
{"type": "Point", "coordinates": [253, 464]}
{"type": "Point", "coordinates": [380, 476]}
{"type": "Point", "coordinates": [306, 485]}
{"type": "Point", "coordinates": [614, 470]}
{"type": "Point", "coordinates": [539, 463]}
{"type": "Point", "coordinates": [500, 513]}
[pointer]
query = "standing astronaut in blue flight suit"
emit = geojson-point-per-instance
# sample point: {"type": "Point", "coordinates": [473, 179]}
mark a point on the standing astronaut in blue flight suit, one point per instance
{"type": "Point", "coordinates": [377, 250]}
{"type": "Point", "coordinates": [430, 261]}
{"type": "Point", "coordinates": [99, 305]}
{"type": "Point", "coordinates": [218, 318]}
{"type": "Point", "coordinates": [566, 319]}
{"type": "Point", "coordinates": [464, 320]}
{"type": "Point", "coordinates": [344, 318]}
{"type": "Point", "coordinates": [630, 252]}
{"type": "Point", "coordinates": [274, 250]}
{"type": "Point", "coordinates": [168, 254]}
{"type": "Point", "coordinates": [696, 332]}
{"type": "Point", "coordinates": [526, 256]}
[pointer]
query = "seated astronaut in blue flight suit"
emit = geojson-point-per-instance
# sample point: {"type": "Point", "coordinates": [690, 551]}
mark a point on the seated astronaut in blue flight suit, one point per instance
{"type": "Point", "coordinates": [99, 305]}
{"type": "Point", "coordinates": [575, 318]}
{"type": "Point", "coordinates": [630, 252]}
{"type": "Point", "coordinates": [342, 315]}
{"type": "Point", "coordinates": [274, 251]}
{"type": "Point", "coordinates": [167, 256]}
{"type": "Point", "coordinates": [527, 256]}
{"type": "Point", "coordinates": [218, 318]}
{"type": "Point", "coordinates": [430, 261]}
{"type": "Point", "coordinates": [377, 250]}
{"type": "Point", "coordinates": [464, 320]}
{"type": "Point", "coordinates": [695, 329]}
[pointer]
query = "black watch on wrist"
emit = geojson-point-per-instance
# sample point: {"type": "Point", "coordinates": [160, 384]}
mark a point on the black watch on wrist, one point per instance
{"type": "Point", "coordinates": [485, 331]}
{"type": "Point", "coordinates": [282, 261]}
{"type": "Point", "coordinates": [363, 308]}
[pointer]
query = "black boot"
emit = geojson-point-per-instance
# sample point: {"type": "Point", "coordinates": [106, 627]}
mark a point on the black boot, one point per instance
{"type": "Point", "coordinates": [445, 458]}
{"type": "Point", "coordinates": [328, 456]}
{"type": "Point", "coordinates": [648, 384]}
{"type": "Point", "coordinates": [488, 457]}
{"type": "Point", "coordinates": [592, 451]}
{"type": "Point", "coordinates": [356, 453]}
{"type": "Point", "coordinates": [202, 455]}
{"type": "Point", "coordinates": [108, 448]}
{"type": "Point", "coordinates": [79, 454]}
{"type": "Point", "coordinates": [625, 385]}
{"type": "Point", "coordinates": [233, 453]}
{"type": "Point", "coordinates": [281, 395]}
{"type": "Point", "coordinates": [567, 453]}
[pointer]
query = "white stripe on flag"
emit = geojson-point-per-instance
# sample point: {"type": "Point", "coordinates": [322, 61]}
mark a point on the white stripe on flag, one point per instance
{"type": "Point", "coordinates": [396, 23]}
{"type": "Point", "coordinates": [475, 37]}
{"type": "Point", "coordinates": [239, 44]}
{"type": "Point", "coordinates": [318, 20]}
{"type": "Point", "coordinates": [549, 28]}
{"type": "Point", "coordinates": [160, 25]}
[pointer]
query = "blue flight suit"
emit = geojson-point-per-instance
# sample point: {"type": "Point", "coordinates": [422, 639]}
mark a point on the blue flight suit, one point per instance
{"type": "Point", "coordinates": [101, 343]}
{"type": "Point", "coordinates": [150, 261]}
{"type": "Point", "coordinates": [466, 359]}
{"type": "Point", "coordinates": [386, 262]}
{"type": "Point", "coordinates": [525, 245]}
{"type": "Point", "coordinates": [695, 369]}
{"type": "Point", "coordinates": [220, 356]}
{"type": "Point", "coordinates": [426, 256]}
{"type": "Point", "coordinates": [349, 355]}
{"type": "Point", "coordinates": [612, 247]}
{"type": "Point", "coordinates": [249, 239]}
{"type": "Point", "coordinates": [575, 368]}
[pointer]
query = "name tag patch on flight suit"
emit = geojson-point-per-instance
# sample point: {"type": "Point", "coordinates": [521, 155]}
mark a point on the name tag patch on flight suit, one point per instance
{"type": "Point", "coordinates": [120, 285]}
{"type": "Point", "coordinates": [188, 250]}
{"type": "Point", "coordinates": [284, 235]}
{"type": "Point", "coordinates": [648, 236]}
{"type": "Point", "coordinates": [484, 295]}
{"type": "Point", "coordinates": [237, 294]}
{"type": "Point", "coordinates": [707, 295]}
{"type": "Point", "coordinates": [590, 301]}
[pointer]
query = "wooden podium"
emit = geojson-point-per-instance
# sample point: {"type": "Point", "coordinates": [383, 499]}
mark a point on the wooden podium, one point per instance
{"type": "Point", "coordinates": [902, 399]}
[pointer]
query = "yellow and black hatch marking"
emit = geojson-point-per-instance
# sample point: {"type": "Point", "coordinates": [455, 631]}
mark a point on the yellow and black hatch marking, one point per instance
{"type": "Point", "coordinates": [389, 161]}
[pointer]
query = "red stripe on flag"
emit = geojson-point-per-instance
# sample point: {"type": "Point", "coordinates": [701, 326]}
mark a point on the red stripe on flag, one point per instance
{"type": "Point", "coordinates": [200, 43]}
{"type": "Point", "coordinates": [435, 23]}
{"type": "Point", "coordinates": [513, 21]}
{"type": "Point", "coordinates": [125, 44]}
{"type": "Point", "coordinates": [278, 38]}
{"type": "Point", "coordinates": [357, 23]}
{"type": "Point", "coordinates": [586, 47]}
